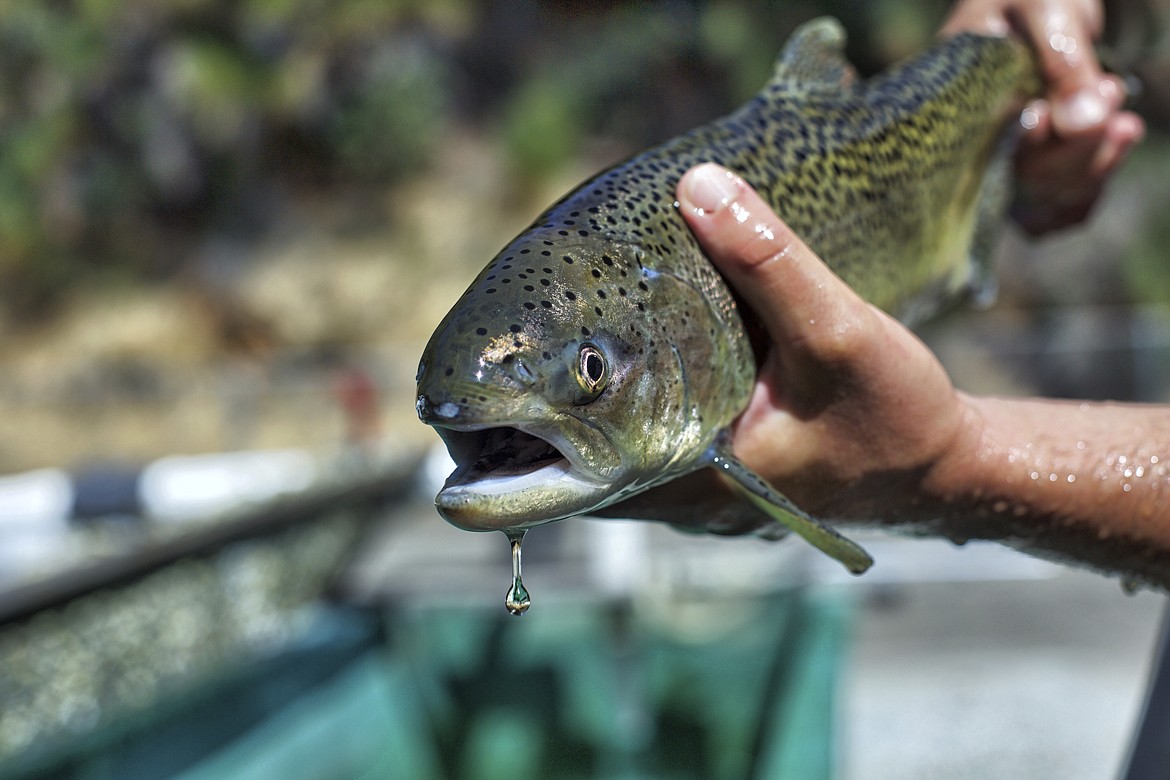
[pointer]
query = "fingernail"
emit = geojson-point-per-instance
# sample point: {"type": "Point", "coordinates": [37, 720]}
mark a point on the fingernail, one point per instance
{"type": "Point", "coordinates": [1081, 110]}
{"type": "Point", "coordinates": [711, 188]}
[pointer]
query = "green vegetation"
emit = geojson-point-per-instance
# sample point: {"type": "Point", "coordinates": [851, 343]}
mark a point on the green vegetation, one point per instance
{"type": "Point", "coordinates": [134, 132]}
{"type": "Point", "coordinates": [131, 131]}
{"type": "Point", "coordinates": [128, 130]}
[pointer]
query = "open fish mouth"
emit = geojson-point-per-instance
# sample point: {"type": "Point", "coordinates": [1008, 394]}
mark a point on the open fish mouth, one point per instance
{"type": "Point", "coordinates": [506, 459]}
{"type": "Point", "coordinates": [492, 455]}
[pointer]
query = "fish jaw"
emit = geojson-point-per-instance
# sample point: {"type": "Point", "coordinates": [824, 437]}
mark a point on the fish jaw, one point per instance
{"type": "Point", "coordinates": [517, 475]}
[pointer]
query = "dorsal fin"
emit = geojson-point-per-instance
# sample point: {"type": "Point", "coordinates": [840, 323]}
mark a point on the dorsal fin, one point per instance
{"type": "Point", "coordinates": [813, 60]}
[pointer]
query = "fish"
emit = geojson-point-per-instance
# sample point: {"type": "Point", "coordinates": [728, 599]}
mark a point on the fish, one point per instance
{"type": "Point", "coordinates": [600, 353]}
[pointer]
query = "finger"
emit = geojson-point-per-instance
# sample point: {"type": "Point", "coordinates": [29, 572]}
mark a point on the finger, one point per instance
{"type": "Point", "coordinates": [1125, 130]}
{"type": "Point", "coordinates": [778, 276]}
{"type": "Point", "coordinates": [987, 18]}
{"type": "Point", "coordinates": [1054, 164]}
{"type": "Point", "coordinates": [1121, 134]}
{"type": "Point", "coordinates": [1051, 166]}
{"type": "Point", "coordinates": [1062, 36]}
{"type": "Point", "coordinates": [1061, 181]}
{"type": "Point", "coordinates": [1036, 120]}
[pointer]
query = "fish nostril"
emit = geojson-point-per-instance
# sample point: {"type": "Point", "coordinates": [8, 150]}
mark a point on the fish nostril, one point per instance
{"type": "Point", "coordinates": [426, 409]}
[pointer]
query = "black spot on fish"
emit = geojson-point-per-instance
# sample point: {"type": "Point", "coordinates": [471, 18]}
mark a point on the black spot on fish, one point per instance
{"type": "Point", "coordinates": [572, 296]}
{"type": "Point", "coordinates": [515, 328]}
{"type": "Point", "coordinates": [481, 331]}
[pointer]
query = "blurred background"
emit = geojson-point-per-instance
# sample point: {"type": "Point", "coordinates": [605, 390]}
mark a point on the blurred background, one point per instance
{"type": "Point", "coordinates": [227, 230]}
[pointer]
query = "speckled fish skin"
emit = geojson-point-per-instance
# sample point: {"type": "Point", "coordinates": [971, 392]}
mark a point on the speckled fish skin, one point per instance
{"type": "Point", "coordinates": [882, 178]}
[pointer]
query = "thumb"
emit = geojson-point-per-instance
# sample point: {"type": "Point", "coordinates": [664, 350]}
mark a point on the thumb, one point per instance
{"type": "Point", "coordinates": [796, 296]}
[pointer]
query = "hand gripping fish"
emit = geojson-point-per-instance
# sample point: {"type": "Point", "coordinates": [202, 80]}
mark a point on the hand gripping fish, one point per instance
{"type": "Point", "coordinates": [600, 353]}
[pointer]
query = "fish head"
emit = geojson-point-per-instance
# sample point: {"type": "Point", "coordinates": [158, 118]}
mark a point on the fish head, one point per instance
{"type": "Point", "coordinates": [546, 387]}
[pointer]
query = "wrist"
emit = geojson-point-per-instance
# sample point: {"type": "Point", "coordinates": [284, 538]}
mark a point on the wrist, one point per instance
{"type": "Point", "coordinates": [949, 483]}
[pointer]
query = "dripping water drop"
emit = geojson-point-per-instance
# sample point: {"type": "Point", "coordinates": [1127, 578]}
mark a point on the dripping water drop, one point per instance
{"type": "Point", "coordinates": [517, 601]}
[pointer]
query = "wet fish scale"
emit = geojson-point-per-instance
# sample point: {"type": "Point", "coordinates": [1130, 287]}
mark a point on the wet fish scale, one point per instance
{"type": "Point", "coordinates": [603, 329]}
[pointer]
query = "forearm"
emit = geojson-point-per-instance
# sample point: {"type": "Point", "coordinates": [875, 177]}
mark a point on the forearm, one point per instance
{"type": "Point", "coordinates": [1070, 480]}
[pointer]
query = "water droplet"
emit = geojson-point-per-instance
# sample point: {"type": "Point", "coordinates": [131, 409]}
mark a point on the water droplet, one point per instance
{"type": "Point", "coordinates": [517, 601]}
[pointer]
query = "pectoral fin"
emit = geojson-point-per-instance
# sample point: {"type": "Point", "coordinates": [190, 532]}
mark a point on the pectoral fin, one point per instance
{"type": "Point", "coordinates": [780, 509]}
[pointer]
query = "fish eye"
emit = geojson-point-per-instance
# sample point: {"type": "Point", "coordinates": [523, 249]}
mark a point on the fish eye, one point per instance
{"type": "Point", "coordinates": [592, 369]}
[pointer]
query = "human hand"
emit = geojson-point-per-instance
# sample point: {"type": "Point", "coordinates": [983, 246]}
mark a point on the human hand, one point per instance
{"type": "Point", "coordinates": [1077, 134]}
{"type": "Point", "coordinates": [850, 412]}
